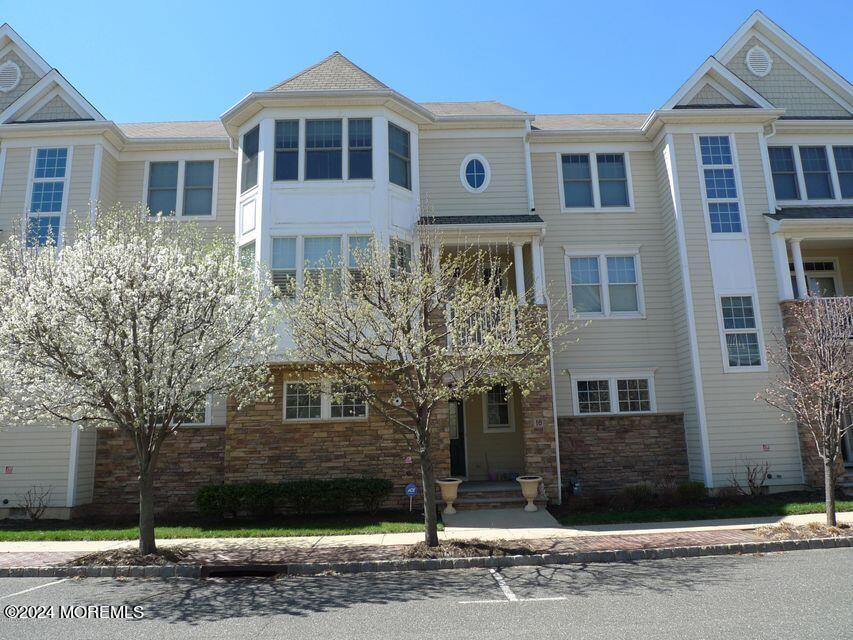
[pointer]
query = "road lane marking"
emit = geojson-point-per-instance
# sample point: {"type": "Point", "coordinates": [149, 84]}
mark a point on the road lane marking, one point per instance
{"type": "Point", "coordinates": [503, 585]}
{"type": "Point", "coordinates": [41, 586]}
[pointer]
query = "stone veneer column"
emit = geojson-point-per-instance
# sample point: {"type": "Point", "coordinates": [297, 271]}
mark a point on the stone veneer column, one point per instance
{"type": "Point", "coordinates": [539, 438]}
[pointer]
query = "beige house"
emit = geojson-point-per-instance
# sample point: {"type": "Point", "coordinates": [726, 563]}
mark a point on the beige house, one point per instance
{"type": "Point", "coordinates": [678, 234]}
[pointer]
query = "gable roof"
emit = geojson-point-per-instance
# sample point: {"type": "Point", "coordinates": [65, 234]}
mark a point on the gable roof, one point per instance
{"type": "Point", "coordinates": [475, 108]}
{"type": "Point", "coordinates": [713, 72]}
{"type": "Point", "coordinates": [47, 84]}
{"type": "Point", "coordinates": [334, 73]}
{"type": "Point", "coordinates": [9, 36]}
{"type": "Point", "coordinates": [798, 56]}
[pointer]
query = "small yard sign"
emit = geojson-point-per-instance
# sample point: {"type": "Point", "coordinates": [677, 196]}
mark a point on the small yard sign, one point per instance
{"type": "Point", "coordinates": [411, 491]}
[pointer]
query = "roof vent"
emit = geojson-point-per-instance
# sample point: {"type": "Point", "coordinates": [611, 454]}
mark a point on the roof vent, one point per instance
{"type": "Point", "coordinates": [758, 61]}
{"type": "Point", "coordinates": [10, 76]}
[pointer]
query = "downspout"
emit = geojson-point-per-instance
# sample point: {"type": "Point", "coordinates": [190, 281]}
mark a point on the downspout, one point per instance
{"type": "Point", "coordinates": [528, 170]}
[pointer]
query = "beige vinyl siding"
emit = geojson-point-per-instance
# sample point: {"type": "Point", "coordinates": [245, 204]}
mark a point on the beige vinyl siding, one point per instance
{"type": "Point", "coordinates": [38, 456]}
{"type": "Point", "coordinates": [108, 189]}
{"type": "Point", "coordinates": [129, 183]}
{"type": "Point", "coordinates": [226, 196]}
{"type": "Point", "coordinates": [13, 195]}
{"type": "Point", "coordinates": [634, 343]}
{"type": "Point", "coordinates": [738, 425]}
{"type": "Point", "coordinates": [784, 86]}
{"type": "Point", "coordinates": [440, 160]}
{"type": "Point", "coordinates": [708, 95]}
{"type": "Point", "coordinates": [680, 321]}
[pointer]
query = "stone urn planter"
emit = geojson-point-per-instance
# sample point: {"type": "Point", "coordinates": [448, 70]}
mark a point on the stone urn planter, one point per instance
{"type": "Point", "coordinates": [449, 491]}
{"type": "Point", "coordinates": [530, 489]}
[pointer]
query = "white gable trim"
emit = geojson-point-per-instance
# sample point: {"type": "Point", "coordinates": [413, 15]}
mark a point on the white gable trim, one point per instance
{"type": "Point", "coordinates": [26, 52]}
{"type": "Point", "coordinates": [698, 77]}
{"type": "Point", "coordinates": [758, 22]}
{"type": "Point", "coordinates": [37, 91]}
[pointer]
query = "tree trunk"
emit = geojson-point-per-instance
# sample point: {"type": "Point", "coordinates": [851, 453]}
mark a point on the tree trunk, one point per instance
{"type": "Point", "coordinates": [147, 545]}
{"type": "Point", "coordinates": [430, 519]}
{"type": "Point", "coordinates": [829, 489]}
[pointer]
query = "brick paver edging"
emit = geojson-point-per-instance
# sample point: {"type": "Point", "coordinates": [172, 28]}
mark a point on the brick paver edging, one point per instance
{"type": "Point", "coordinates": [363, 566]}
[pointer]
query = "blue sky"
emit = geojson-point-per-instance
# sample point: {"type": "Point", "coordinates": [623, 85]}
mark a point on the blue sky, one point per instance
{"type": "Point", "coordinates": [191, 60]}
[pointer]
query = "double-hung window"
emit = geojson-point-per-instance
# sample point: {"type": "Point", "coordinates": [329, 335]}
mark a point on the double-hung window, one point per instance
{"type": "Point", "coordinates": [322, 257]}
{"type": "Point", "coordinates": [816, 173]}
{"type": "Point", "coordinates": [629, 392]}
{"type": "Point", "coordinates": [401, 256]}
{"type": "Point", "coordinates": [812, 172]}
{"type": "Point", "coordinates": [284, 266]}
{"type": "Point", "coordinates": [498, 410]}
{"type": "Point", "coordinates": [47, 197]}
{"type": "Point", "coordinates": [165, 180]}
{"type": "Point", "coordinates": [844, 169]}
{"type": "Point", "coordinates": [605, 285]}
{"type": "Point", "coordinates": [719, 184]}
{"type": "Point", "coordinates": [347, 403]}
{"type": "Point", "coordinates": [399, 156]}
{"type": "Point", "coordinates": [323, 149]}
{"type": "Point", "coordinates": [595, 181]}
{"type": "Point", "coordinates": [286, 150]}
{"type": "Point", "coordinates": [250, 159]}
{"type": "Point", "coordinates": [740, 331]}
{"type": "Point", "coordinates": [358, 247]}
{"type": "Point", "coordinates": [360, 150]}
{"type": "Point", "coordinates": [784, 171]}
{"type": "Point", "coordinates": [302, 401]}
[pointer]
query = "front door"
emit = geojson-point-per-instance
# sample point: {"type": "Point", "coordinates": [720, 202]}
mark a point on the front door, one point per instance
{"type": "Point", "coordinates": [456, 420]}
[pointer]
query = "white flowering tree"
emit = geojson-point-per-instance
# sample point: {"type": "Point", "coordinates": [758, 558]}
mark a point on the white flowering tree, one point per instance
{"type": "Point", "coordinates": [133, 323]}
{"type": "Point", "coordinates": [409, 335]}
{"type": "Point", "coordinates": [814, 387]}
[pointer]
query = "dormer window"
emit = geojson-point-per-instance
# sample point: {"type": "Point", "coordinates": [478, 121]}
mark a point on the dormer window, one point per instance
{"type": "Point", "coordinates": [323, 150]}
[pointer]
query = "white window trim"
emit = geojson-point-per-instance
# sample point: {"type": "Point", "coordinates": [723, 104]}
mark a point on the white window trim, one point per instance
{"type": "Point", "coordinates": [65, 190]}
{"type": "Point", "coordinates": [596, 194]}
{"type": "Point", "coordinates": [325, 404]}
{"type": "Point", "coordinates": [612, 376]}
{"type": "Point", "coordinates": [179, 196]}
{"type": "Point", "coordinates": [835, 274]}
{"type": "Point", "coordinates": [735, 168]}
{"type": "Point", "coordinates": [487, 428]}
{"type": "Point", "coordinates": [801, 179]}
{"type": "Point", "coordinates": [727, 368]}
{"type": "Point", "coordinates": [601, 254]}
{"type": "Point", "coordinates": [464, 179]}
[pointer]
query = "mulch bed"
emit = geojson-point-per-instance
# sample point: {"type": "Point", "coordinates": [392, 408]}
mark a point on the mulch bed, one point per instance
{"type": "Point", "coordinates": [469, 549]}
{"type": "Point", "coordinates": [130, 557]}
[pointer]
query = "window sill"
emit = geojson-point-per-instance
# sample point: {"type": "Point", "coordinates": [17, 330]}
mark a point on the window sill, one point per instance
{"type": "Point", "coordinates": [509, 429]}
{"type": "Point", "coordinates": [612, 316]}
{"type": "Point", "coordinates": [727, 235]}
{"type": "Point", "coordinates": [598, 210]}
{"type": "Point", "coordinates": [727, 368]}
{"type": "Point", "coordinates": [322, 420]}
{"type": "Point", "coordinates": [615, 415]}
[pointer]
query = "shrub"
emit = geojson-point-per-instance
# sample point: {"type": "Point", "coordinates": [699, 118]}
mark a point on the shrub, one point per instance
{"type": "Point", "coordinates": [219, 500]}
{"type": "Point", "coordinates": [257, 498]}
{"type": "Point", "coordinates": [641, 494]}
{"type": "Point", "coordinates": [301, 496]}
{"type": "Point", "coordinates": [370, 493]}
{"type": "Point", "coordinates": [690, 492]}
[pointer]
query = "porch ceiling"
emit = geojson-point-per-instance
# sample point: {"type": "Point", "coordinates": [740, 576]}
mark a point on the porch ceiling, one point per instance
{"type": "Point", "coordinates": [812, 213]}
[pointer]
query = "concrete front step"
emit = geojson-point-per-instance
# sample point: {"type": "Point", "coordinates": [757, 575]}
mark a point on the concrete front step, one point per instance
{"type": "Point", "coordinates": [500, 502]}
{"type": "Point", "coordinates": [492, 495]}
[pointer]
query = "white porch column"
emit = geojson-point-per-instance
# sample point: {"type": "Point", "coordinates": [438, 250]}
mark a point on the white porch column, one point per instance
{"type": "Point", "coordinates": [518, 259]}
{"type": "Point", "coordinates": [538, 276]}
{"type": "Point", "coordinates": [783, 271]}
{"type": "Point", "coordinates": [799, 270]}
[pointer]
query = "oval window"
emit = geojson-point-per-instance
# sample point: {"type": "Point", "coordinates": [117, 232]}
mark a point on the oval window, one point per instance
{"type": "Point", "coordinates": [475, 173]}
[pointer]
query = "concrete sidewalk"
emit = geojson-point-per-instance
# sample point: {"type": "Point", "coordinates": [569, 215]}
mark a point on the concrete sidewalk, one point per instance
{"type": "Point", "coordinates": [473, 528]}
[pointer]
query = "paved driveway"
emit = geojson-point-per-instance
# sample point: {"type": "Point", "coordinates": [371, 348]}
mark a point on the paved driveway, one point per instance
{"type": "Point", "coordinates": [800, 595]}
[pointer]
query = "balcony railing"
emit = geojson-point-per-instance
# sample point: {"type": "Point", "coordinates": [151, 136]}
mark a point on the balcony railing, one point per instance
{"type": "Point", "coordinates": [842, 305]}
{"type": "Point", "coordinates": [480, 325]}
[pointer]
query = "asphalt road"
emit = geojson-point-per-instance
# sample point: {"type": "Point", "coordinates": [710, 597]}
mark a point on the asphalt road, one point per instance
{"type": "Point", "coordinates": [806, 594]}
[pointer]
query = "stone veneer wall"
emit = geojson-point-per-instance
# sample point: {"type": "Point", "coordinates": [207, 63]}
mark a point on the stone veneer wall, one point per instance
{"type": "Point", "coordinates": [540, 443]}
{"type": "Point", "coordinates": [607, 453]}
{"type": "Point", "coordinates": [192, 458]}
{"type": "Point", "coordinates": [261, 446]}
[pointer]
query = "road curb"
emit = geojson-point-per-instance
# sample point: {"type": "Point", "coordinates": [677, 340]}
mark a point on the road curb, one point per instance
{"type": "Point", "coordinates": [376, 566]}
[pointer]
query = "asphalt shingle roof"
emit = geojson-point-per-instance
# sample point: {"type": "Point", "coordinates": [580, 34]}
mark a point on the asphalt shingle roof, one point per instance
{"type": "Point", "coordinates": [193, 129]}
{"type": "Point", "coordinates": [334, 73]}
{"type": "Point", "coordinates": [478, 108]}
{"type": "Point", "coordinates": [589, 121]}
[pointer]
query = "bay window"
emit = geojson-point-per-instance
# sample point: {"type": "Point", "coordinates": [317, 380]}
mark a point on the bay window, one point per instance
{"type": "Point", "coordinates": [360, 155]}
{"type": "Point", "coordinates": [286, 150]}
{"type": "Point", "coordinates": [250, 159]}
{"type": "Point", "coordinates": [284, 266]}
{"type": "Point", "coordinates": [323, 150]}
